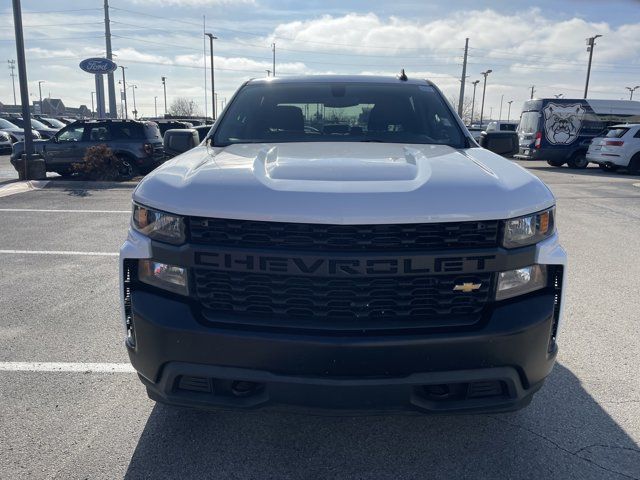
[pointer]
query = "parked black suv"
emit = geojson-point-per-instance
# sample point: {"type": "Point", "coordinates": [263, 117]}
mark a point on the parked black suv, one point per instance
{"type": "Point", "coordinates": [138, 144]}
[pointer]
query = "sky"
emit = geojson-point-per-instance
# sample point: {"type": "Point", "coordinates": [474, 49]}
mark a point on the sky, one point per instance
{"type": "Point", "coordinates": [524, 45]}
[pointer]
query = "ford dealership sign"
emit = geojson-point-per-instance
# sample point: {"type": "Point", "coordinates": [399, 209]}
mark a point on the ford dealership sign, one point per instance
{"type": "Point", "coordinates": [98, 66]}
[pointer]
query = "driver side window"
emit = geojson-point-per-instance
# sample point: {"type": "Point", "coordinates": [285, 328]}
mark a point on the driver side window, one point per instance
{"type": "Point", "coordinates": [74, 134]}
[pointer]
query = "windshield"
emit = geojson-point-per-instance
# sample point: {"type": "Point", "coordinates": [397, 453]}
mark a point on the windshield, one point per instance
{"type": "Point", "coordinates": [529, 122]}
{"type": "Point", "coordinates": [7, 124]}
{"type": "Point", "coordinates": [338, 111]}
{"type": "Point", "coordinates": [36, 124]}
{"type": "Point", "coordinates": [54, 122]}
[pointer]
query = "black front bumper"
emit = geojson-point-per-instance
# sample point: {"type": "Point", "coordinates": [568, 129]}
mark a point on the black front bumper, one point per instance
{"type": "Point", "coordinates": [494, 367]}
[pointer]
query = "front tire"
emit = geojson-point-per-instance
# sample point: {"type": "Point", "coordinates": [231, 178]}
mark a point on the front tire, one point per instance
{"type": "Point", "coordinates": [126, 168]}
{"type": "Point", "coordinates": [555, 163]}
{"type": "Point", "coordinates": [634, 164]}
{"type": "Point", "coordinates": [578, 161]}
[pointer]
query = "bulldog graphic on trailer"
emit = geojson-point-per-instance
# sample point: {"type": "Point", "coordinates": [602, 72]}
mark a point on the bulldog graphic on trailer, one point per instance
{"type": "Point", "coordinates": [560, 130]}
{"type": "Point", "coordinates": [562, 123]}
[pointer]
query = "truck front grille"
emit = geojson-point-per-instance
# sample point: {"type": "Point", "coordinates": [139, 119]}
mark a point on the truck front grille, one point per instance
{"type": "Point", "coordinates": [362, 302]}
{"type": "Point", "coordinates": [319, 237]}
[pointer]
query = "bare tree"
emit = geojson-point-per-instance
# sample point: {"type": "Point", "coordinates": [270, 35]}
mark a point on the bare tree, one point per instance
{"type": "Point", "coordinates": [466, 108]}
{"type": "Point", "coordinates": [184, 107]}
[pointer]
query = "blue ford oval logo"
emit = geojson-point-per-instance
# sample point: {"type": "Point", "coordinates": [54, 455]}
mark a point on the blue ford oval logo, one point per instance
{"type": "Point", "coordinates": [98, 66]}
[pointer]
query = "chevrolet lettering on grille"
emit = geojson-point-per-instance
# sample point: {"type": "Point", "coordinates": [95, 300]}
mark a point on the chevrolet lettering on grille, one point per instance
{"type": "Point", "coordinates": [327, 266]}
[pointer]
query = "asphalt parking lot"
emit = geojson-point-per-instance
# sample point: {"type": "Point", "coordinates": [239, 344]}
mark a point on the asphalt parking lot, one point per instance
{"type": "Point", "coordinates": [60, 304]}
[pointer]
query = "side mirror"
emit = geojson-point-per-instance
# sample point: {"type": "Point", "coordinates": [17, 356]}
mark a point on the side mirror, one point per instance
{"type": "Point", "coordinates": [179, 140]}
{"type": "Point", "coordinates": [54, 139]}
{"type": "Point", "coordinates": [502, 143]}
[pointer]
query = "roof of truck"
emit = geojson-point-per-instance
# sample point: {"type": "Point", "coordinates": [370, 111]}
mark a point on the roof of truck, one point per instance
{"type": "Point", "coordinates": [343, 79]}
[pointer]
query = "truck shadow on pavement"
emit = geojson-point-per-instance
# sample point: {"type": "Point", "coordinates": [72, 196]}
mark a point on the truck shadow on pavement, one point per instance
{"type": "Point", "coordinates": [564, 433]}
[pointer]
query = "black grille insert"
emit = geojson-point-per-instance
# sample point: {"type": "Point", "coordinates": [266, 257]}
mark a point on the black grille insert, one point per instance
{"type": "Point", "coordinates": [319, 237]}
{"type": "Point", "coordinates": [362, 302]}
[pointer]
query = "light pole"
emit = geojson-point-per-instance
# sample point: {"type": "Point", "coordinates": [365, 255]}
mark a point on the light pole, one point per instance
{"type": "Point", "coordinates": [509, 110]}
{"type": "Point", "coordinates": [133, 87]}
{"type": "Point", "coordinates": [268, 72]}
{"type": "Point", "coordinates": [484, 90]}
{"type": "Point", "coordinates": [12, 67]}
{"type": "Point", "coordinates": [124, 87]}
{"type": "Point", "coordinates": [213, 88]}
{"type": "Point", "coordinates": [155, 105]}
{"type": "Point", "coordinates": [631, 90]}
{"type": "Point", "coordinates": [591, 42]}
{"type": "Point", "coordinates": [273, 68]}
{"type": "Point", "coordinates": [93, 115]}
{"type": "Point", "coordinates": [164, 86]}
{"type": "Point", "coordinates": [40, 82]}
{"type": "Point", "coordinates": [473, 101]}
{"type": "Point", "coordinates": [500, 114]}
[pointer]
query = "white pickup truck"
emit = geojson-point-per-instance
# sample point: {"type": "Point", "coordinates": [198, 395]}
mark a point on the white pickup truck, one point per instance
{"type": "Point", "coordinates": [341, 242]}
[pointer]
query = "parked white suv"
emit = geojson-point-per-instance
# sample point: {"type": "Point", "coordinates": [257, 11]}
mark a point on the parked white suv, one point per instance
{"type": "Point", "coordinates": [618, 148]}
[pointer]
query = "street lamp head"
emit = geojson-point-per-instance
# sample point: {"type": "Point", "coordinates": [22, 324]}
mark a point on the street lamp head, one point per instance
{"type": "Point", "coordinates": [211, 36]}
{"type": "Point", "coordinates": [476, 82]}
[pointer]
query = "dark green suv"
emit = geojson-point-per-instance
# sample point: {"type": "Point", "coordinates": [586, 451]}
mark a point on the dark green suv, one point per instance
{"type": "Point", "coordinates": [137, 144]}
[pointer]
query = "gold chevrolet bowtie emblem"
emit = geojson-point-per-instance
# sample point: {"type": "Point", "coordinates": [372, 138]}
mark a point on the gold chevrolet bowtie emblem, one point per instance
{"type": "Point", "coordinates": [467, 287]}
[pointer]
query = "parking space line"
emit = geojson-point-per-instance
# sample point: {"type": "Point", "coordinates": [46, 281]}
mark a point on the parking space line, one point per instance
{"type": "Point", "coordinates": [39, 210]}
{"type": "Point", "coordinates": [58, 252]}
{"type": "Point", "coordinates": [66, 367]}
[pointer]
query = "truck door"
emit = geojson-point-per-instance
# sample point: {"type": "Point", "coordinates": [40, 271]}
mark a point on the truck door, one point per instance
{"type": "Point", "coordinates": [63, 148]}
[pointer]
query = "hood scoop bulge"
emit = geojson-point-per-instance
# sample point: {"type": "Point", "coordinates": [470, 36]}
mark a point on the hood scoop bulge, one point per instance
{"type": "Point", "coordinates": [400, 165]}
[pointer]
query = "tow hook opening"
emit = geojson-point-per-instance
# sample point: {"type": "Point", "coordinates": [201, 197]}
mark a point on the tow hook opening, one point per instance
{"type": "Point", "coordinates": [241, 388]}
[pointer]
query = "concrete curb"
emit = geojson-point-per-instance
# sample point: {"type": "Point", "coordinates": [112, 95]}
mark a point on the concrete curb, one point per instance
{"type": "Point", "coordinates": [88, 185]}
{"type": "Point", "coordinates": [16, 187]}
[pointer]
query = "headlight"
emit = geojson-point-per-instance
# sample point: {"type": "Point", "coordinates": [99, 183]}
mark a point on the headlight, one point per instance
{"type": "Point", "coordinates": [529, 229]}
{"type": "Point", "coordinates": [157, 225]}
{"type": "Point", "coordinates": [521, 281]}
{"type": "Point", "coordinates": [167, 277]}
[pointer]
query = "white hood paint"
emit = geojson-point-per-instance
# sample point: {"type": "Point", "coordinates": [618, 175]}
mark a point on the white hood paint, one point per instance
{"type": "Point", "coordinates": [343, 183]}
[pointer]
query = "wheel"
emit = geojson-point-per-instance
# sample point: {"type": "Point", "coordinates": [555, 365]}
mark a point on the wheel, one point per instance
{"type": "Point", "coordinates": [126, 168]}
{"type": "Point", "coordinates": [555, 163]}
{"type": "Point", "coordinates": [608, 168]}
{"type": "Point", "coordinates": [578, 160]}
{"type": "Point", "coordinates": [634, 164]}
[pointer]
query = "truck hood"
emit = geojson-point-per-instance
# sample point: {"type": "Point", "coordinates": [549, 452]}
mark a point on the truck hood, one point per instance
{"type": "Point", "coordinates": [343, 183]}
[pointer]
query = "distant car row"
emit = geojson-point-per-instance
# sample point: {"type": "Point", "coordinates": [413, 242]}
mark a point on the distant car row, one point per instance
{"type": "Point", "coordinates": [138, 144]}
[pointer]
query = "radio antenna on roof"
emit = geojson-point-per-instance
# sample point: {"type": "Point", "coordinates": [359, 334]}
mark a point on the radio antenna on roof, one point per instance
{"type": "Point", "coordinates": [402, 76]}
